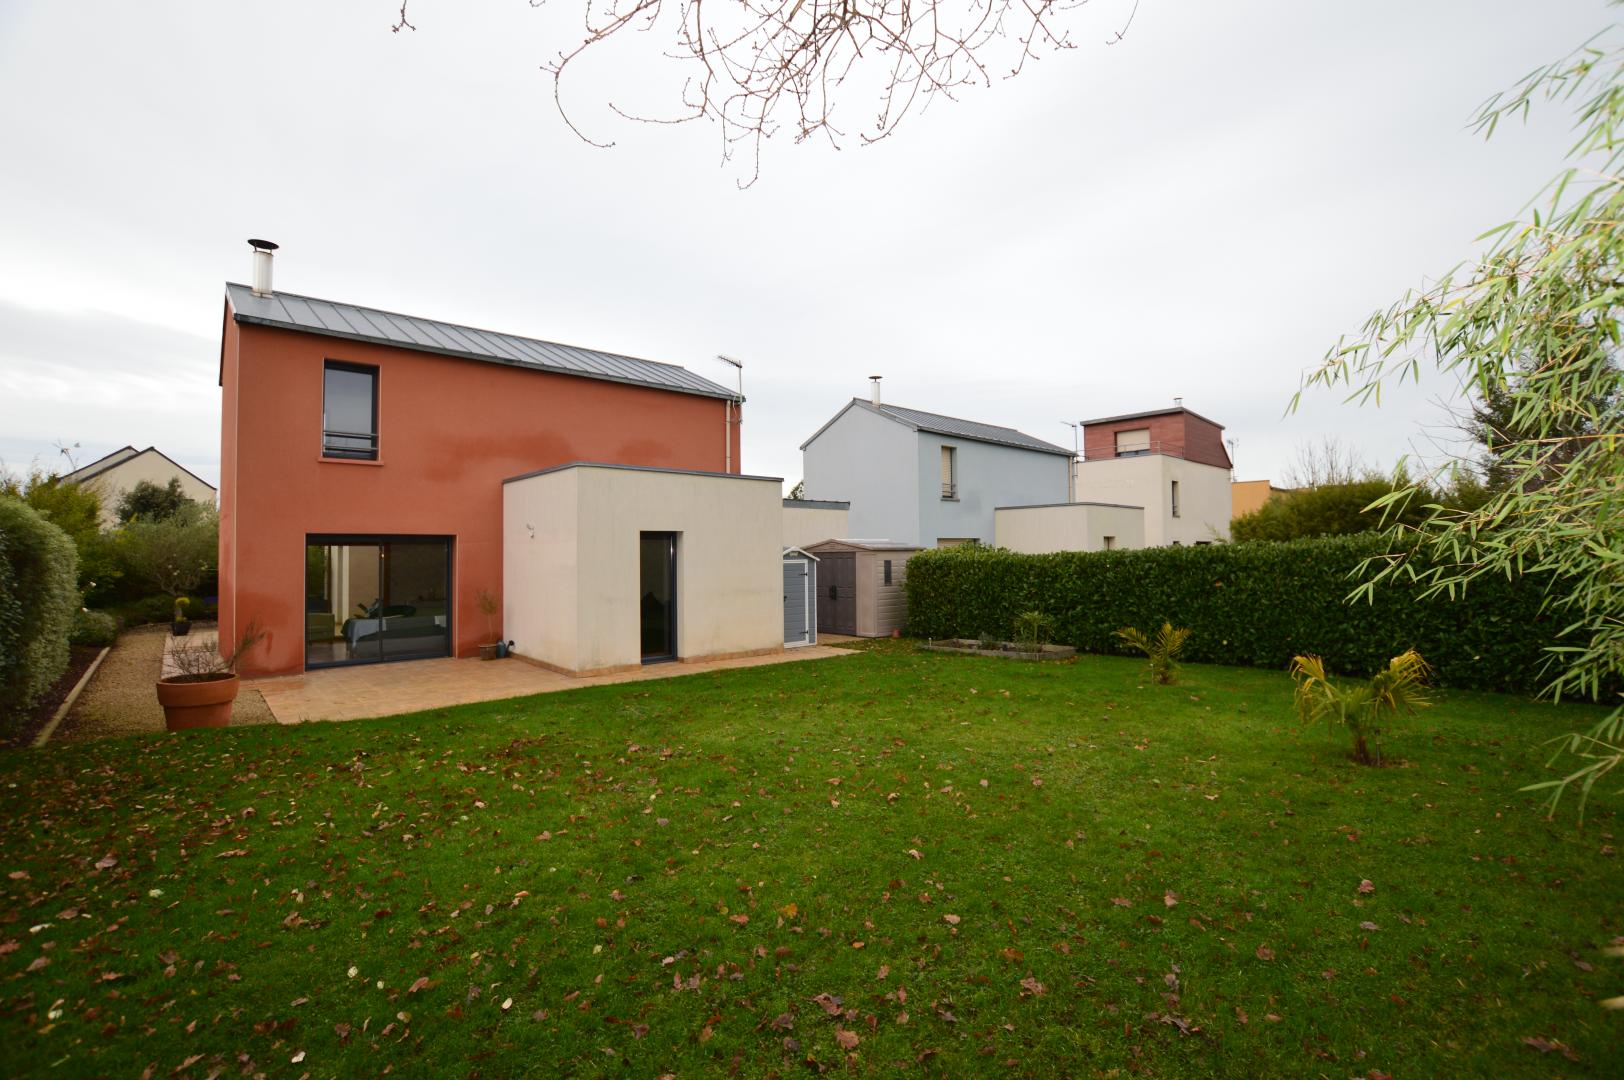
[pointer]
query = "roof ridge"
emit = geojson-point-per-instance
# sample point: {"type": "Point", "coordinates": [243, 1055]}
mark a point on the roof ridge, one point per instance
{"type": "Point", "coordinates": [470, 326]}
{"type": "Point", "coordinates": [947, 416]}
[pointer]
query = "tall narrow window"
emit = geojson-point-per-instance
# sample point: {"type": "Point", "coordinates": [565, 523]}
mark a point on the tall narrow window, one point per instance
{"type": "Point", "coordinates": [1175, 498]}
{"type": "Point", "coordinates": [887, 571]}
{"type": "Point", "coordinates": [349, 412]}
{"type": "Point", "coordinates": [950, 486]}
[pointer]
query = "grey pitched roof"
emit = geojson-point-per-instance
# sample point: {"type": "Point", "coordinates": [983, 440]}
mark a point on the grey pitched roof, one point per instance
{"type": "Point", "coordinates": [952, 426]}
{"type": "Point", "coordinates": [101, 464]}
{"type": "Point", "coordinates": [289, 311]}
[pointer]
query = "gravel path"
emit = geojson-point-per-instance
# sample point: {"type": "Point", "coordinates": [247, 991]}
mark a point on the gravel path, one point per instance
{"type": "Point", "coordinates": [121, 700]}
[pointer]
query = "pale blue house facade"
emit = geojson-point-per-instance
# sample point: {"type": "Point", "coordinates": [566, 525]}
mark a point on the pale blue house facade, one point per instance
{"type": "Point", "coordinates": [927, 479]}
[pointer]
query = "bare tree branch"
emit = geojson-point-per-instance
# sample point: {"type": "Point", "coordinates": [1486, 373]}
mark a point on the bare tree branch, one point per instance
{"type": "Point", "coordinates": [759, 67]}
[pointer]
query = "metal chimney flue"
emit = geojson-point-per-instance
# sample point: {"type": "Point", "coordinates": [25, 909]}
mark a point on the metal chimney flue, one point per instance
{"type": "Point", "coordinates": [262, 266]}
{"type": "Point", "coordinates": [874, 395]}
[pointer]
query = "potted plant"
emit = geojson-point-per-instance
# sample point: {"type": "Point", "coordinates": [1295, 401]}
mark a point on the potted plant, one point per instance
{"type": "Point", "coordinates": [205, 684]}
{"type": "Point", "coordinates": [488, 607]}
{"type": "Point", "coordinates": [180, 626]}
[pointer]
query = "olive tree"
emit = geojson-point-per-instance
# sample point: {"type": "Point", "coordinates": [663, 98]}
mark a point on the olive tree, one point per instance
{"type": "Point", "coordinates": [1534, 325]}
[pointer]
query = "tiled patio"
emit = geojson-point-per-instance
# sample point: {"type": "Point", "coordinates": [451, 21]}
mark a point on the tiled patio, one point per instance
{"type": "Point", "coordinates": [351, 693]}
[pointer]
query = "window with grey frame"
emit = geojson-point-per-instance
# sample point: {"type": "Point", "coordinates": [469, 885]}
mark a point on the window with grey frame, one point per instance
{"type": "Point", "coordinates": [349, 411]}
{"type": "Point", "coordinates": [950, 479]}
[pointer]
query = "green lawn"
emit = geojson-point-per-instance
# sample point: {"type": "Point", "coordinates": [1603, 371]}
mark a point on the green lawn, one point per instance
{"type": "Point", "coordinates": [891, 862]}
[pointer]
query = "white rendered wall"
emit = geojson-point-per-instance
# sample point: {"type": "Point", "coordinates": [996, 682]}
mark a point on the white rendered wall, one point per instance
{"type": "Point", "coordinates": [1036, 530]}
{"type": "Point", "coordinates": [807, 525]}
{"type": "Point", "coordinates": [539, 559]}
{"type": "Point", "coordinates": [583, 572]}
{"type": "Point", "coordinates": [1204, 497]}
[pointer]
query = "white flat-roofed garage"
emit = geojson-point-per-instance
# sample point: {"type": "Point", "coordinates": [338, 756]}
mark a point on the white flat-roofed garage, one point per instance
{"type": "Point", "coordinates": [608, 567]}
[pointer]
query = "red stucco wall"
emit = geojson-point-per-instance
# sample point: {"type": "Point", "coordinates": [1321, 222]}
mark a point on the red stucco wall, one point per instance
{"type": "Point", "coordinates": [449, 432]}
{"type": "Point", "coordinates": [1178, 434]}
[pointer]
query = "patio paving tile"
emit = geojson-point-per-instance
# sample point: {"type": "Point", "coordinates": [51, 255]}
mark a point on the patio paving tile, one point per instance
{"type": "Point", "coordinates": [411, 686]}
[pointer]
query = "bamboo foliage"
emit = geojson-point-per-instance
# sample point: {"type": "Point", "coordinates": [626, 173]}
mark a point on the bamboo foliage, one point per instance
{"type": "Point", "coordinates": [1534, 324]}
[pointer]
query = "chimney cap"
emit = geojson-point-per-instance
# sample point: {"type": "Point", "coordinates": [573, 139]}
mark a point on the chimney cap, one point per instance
{"type": "Point", "coordinates": [263, 245]}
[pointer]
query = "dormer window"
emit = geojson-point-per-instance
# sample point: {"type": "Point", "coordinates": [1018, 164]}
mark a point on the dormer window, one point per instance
{"type": "Point", "coordinates": [349, 412]}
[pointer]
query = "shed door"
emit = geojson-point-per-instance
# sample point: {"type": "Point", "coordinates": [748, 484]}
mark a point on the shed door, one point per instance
{"type": "Point", "coordinates": [837, 593]}
{"type": "Point", "coordinates": [799, 603]}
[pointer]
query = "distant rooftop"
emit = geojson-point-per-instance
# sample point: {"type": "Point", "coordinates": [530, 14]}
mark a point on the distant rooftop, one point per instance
{"type": "Point", "coordinates": [289, 311]}
{"type": "Point", "coordinates": [1147, 414]}
{"type": "Point", "coordinates": [953, 426]}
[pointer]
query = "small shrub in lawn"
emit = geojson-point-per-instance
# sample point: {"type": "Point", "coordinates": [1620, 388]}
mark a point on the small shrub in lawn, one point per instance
{"type": "Point", "coordinates": [1400, 687]}
{"type": "Point", "coordinates": [1163, 649]}
{"type": "Point", "coordinates": [95, 628]}
{"type": "Point", "coordinates": [1033, 630]}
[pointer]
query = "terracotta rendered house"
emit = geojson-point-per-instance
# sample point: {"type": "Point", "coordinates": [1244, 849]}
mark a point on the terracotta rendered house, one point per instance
{"type": "Point", "coordinates": [383, 474]}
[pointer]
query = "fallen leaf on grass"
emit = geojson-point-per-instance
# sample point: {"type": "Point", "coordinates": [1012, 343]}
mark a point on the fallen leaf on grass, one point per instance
{"type": "Point", "coordinates": [234, 853]}
{"type": "Point", "coordinates": [1548, 1046]}
{"type": "Point", "coordinates": [914, 853]}
{"type": "Point", "coordinates": [951, 920]}
{"type": "Point", "coordinates": [1366, 888]}
{"type": "Point", "coordinates": [1120, 901]}
{"type": "Point", "coordinates": [1030, 985]}
{"type": "Point", "coordinates": [422, 983]}
{"type": "Point", "coordinates": [1265, 953]}
{"type": "Point", "coordinates": [1171, 899]}
{"type": "Point", "coordinates": [846, 1039]}
{"type": "Point", "coordinates": [107, 862]}
{"type": "Point", "coordinates": [1368, 926]}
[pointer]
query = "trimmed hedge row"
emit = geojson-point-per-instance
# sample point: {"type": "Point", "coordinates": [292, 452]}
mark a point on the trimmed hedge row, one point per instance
{"type": "Point", "coordinates": [39, 576]}
{"type": "Point", "coordinates": [1255, 604]}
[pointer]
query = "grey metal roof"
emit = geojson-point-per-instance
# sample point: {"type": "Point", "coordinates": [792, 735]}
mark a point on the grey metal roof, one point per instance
{"type": "Point", "coordinates": [289, 311]}
{"type": "Point", "coordinates": [952, 426]}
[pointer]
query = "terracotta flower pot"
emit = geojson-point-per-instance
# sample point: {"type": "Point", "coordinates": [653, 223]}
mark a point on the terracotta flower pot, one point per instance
{"type": "Point", "coordinates": [206, 703]}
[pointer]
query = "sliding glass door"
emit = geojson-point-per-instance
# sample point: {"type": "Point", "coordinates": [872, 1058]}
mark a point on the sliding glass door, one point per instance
{"type": "Point", "coordinates": [374, 598]}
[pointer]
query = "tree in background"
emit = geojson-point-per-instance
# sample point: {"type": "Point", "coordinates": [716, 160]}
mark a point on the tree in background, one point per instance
{"type": "Point", "coordinates": [76, 510]}
{"type": "Point", "coordinates": [1495, 424]}
{"type": "Point", "coordinates": [147, 501]}
{"type": "Point", "coordinates": [173, 555]}
{"type": "Point", "coordinates": [1533, 330]}
{"type": "Point", "coordinates": [1331, 510]}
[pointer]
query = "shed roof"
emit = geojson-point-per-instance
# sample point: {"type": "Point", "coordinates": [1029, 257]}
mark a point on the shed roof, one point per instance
{"type": "Point", "coordinates": [866, 545]}
{"type": "Point", "coordinates": [952, 426]}
{"type": "Point", "coordinates": [289, 311]}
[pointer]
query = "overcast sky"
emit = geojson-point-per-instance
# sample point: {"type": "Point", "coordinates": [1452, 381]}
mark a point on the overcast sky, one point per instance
{"type": "Point", "coordinates": [1198, 211]}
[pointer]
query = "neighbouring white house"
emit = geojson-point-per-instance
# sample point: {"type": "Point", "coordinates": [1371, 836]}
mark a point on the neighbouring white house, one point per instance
{"type": "Point", "coordinates": [1172, 462]}
{"type": "Point", "coordinates": [114, 475]}
{"type": "Point", "coordinates": [926, 480]}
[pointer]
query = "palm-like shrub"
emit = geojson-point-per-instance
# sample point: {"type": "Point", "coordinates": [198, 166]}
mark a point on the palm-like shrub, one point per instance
{"type": "Point", "coordinates": [1163, 649]}
{"type": "Point", "coordinates": [1400, 687]}
{"type": "Point", "coordinates": [1033, 630]}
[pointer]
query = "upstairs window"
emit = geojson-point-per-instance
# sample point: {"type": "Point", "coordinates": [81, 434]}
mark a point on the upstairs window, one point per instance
{"type": "Point", "coordinates": [1133, 443]}
{"type": "Point", "coordinates": [349, 412]}
{"type": "Point", "coordinates": [1175, 498]}
{"type": "Point", "coordinates": [950, 479]}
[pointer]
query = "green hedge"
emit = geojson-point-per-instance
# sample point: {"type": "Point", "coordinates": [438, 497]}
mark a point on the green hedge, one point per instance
{"type": "Point", "coordinates": [1254, 604]}
{"type": "Point", "coordinates": [38, 598]}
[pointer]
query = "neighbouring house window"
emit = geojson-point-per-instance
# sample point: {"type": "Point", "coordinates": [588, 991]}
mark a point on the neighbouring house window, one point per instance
{"type": "Point", "coordinates": [1175, 498]}
{"type": "Point", "coordinates": [1133, 443]}
{"type": "Point", "coordinates": [887, 571]}
{"type": "Point", "coordinates": [950, 480]}
{"type": "Point", "coordinates": [349, 412]}
{"type": "Point", "coordinates": [1110, 543]}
